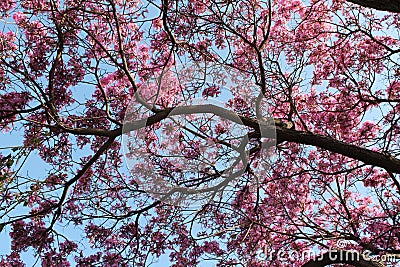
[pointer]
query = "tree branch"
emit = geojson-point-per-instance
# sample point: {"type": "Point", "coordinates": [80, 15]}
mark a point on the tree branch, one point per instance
{"type": "Point", "coordinates": [282, 134]}
{"type": "Point", "coordinates": [384, 5]}
{"type": "Point", "coordinates": [352, 151]}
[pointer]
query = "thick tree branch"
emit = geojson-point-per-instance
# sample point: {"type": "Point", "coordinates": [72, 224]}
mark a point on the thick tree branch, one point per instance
{"type": "Point", "coordinates": [352, 151]}
{"type": "Point", "coordinates": [384, 5]}
{"type": "Point", "coordinates": [367, 156]}
{"type": "Point", "coordinates": [78, 175]}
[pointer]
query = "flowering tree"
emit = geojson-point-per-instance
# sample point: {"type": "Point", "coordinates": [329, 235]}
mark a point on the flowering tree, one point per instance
{"type": "Point", "coordinates": [326, 73]}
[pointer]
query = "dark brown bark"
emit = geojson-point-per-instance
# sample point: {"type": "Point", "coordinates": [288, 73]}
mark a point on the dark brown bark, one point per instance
{"type": "Point", "coordinates": [384, 5]}
{"type": "Point", "coordinates": [367, 156]}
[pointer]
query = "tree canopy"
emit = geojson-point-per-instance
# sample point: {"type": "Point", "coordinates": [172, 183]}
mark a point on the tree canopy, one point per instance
{"type": "Point", "coordinates": [234, 133]}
